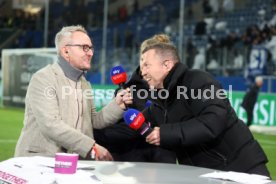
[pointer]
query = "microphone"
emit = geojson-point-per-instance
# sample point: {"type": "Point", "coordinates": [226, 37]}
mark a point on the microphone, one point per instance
{"type": "Point", "coordinates": [148, 103]}
{"type": "Point", "coordinates": [136, 120]}
{"type": "Point", "coordinates": [118, 76]}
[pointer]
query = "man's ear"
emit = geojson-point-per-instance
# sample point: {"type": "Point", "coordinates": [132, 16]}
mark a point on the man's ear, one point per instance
{"type": "Point", "coordinates": [64, 52]}
{"type": "Point", "coordinates": [168, 64]}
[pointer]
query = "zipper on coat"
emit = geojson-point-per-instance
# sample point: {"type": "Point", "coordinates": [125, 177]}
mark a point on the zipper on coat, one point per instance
{"type": "Point", "coordinates": [164, 110]}
{"type": "Point", "coordinates": [165, 116]}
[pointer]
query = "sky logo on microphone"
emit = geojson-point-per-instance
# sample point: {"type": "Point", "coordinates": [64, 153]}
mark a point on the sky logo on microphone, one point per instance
{"type": "Point", "coordinates": [118, 75]}
{"type": "Point", "coordinates": [136, 121]}
{"type": "Point", "coordinates": [134, 118]}
{"type": "Point", "coordinates": [115, 72]}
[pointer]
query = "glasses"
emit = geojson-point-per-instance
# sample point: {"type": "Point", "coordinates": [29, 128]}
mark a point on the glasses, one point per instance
{"type": "Point", "coordinates": [85, 47]}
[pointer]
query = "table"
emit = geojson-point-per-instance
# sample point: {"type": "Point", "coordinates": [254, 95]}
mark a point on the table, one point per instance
{"type": "Point", "coordinates": [150, 173]}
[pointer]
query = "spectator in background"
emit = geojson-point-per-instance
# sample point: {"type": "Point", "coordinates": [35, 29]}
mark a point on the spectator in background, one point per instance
{"type": "Point", "coordinates": [228, 5]}
{"type": "Point", "coordinates": [251, 33]}
{"type": "Point", "coordinates": [250, 99]}
{"type": "Point", "coordinates": [230, 41]}
{"type": "Point", "coordinates": [190, 53]}
{"type": "Point", "coordinates": [214, 4]}
{"type": "Point", "coordinates": [258, 59]}
{"type": "Point", "coordinates": [207, 9]}
{"type": "Point", "coordinates": [271, 45]}
{"type": "Point", "coordinates": [213, 67]}
{"type": "Point", "coordinates": [59, 113]}
{"type": "Point", "coordinates": [122, 13]}
{"type": "Point", "coordinates": [272, 21]}
{"type": "Point", "coordinates": [209, 24]}
{"type": "Point", "coordinates": [168, 30]}
{"type": "Point", "coordinates": [200, 27]}
{"type": "Point", "coordinates": [238, 60]}
{"type": "Point", "coordinates": [200, 60]}
{"type": "Point", "coordinates": [211, 49]}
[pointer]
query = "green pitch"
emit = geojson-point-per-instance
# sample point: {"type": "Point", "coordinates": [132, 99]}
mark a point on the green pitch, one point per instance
{"type": "Point", "coordinates": [11, 122]}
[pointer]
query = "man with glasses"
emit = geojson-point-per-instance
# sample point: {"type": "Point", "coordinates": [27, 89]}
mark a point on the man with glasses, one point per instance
{"type": "Point", "coordinates": [60, 114]}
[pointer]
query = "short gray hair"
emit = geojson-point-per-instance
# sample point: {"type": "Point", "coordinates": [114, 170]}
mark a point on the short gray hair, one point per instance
{"type": "Point", "coordinates": [64, 35]}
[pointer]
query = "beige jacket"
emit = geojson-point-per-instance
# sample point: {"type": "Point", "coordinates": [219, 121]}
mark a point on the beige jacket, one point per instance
{"type": "Point", "coordinates": [60, 117]}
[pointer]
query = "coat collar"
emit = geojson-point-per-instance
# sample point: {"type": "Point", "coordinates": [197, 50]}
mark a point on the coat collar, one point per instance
{"type": "Point", "coordinates": [69, 71]}
{"type": "Point", "coordinates": [174, 76]}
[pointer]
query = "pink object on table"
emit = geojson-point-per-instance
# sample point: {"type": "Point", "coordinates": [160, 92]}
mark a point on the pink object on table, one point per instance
{"type": "Point", "coordinates": [66, 163]}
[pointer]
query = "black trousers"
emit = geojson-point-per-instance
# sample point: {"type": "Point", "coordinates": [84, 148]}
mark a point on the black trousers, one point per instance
{"type": "Point", "coordinates": [249, 113]}
{"type": "Point", "coordinates": [143, 152]}
{"type": "Point", "coordinates": [128, 146]}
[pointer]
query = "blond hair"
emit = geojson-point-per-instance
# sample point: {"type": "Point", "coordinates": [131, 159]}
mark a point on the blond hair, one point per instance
{"type": "Point", "coordinates": [163, 38]}
{"type": "Point", "coordinates": [162, 45]}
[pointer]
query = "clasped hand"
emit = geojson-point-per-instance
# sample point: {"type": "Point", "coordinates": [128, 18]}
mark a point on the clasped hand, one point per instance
{"type": "Point", "coordinates": [154, 137]}
{"type": "Point", "coordinates": [124, 98]}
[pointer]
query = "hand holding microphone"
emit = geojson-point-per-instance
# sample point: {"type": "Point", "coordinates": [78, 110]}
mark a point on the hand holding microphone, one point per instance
{"type": "Point", "coordinates": [154, 137]}
{"type": "Point", "coordinates": [136, 121]}
{"type": "Point", "coordinates": [124, 98]}
{"type": "Point", "coordinates": [119, 77]}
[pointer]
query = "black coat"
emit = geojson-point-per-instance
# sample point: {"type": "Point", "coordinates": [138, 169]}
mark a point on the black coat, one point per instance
{"type": "Point", "coordinates": [203, 132]}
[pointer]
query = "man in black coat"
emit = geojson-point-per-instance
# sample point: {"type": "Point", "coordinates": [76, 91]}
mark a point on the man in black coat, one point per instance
{"type": "Point", "coordinates": [193, 117]}
{"type": "Point", "coordinates": [250, 98]}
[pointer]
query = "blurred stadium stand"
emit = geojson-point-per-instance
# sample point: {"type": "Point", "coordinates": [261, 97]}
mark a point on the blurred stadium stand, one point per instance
{"type": "Point", "coordinates": [226, 40]}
